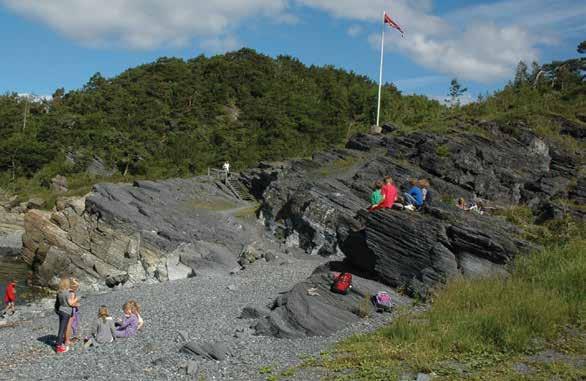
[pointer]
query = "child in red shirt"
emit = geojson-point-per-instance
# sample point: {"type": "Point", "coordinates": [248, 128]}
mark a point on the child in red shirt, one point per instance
{"type": "Point", "coordinates": [10, 296]}
{"type": "Point", "coordinates": [390, 192]}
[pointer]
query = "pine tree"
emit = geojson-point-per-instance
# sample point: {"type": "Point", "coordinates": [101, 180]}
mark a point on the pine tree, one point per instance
{"type": "Point", "coordinates": [521, 75]}
{"type": "Point", "coordinates": [456, 91]}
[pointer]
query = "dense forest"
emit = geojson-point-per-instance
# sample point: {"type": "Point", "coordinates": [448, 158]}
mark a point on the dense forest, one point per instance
{"type": "Point", "coordinates": [177, 118]}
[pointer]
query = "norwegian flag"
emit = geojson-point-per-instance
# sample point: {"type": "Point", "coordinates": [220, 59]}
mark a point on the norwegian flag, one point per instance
{"type": "Point", "coordinates": [393, 24]}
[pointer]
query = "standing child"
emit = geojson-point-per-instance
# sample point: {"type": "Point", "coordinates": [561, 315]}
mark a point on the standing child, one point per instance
{"type": "Point", "coordinates": [64, 308]}
{"type": "Point", "coordinates": [104, 330]}
{"type": "Point", "coordinates": [10, 297]}
{"type": "Point", "coordinates": [73, 323]}
{"type": "Point", "coordinates": [128, 326]}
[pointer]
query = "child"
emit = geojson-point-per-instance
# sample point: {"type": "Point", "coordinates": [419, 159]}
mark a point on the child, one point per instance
{"type": "Point", "coordinates": [414, 197]}
{"type": "Point", "coordinates": [376, 198]}
{"type": "Point", "coordinates": [104, 330]}
{"type": "Point", "coordinates": [73, 323]}
{"type": "Point", "coordinates": [389, 192]}
{"type": "Point", "coordinates": [10, 297]}
{"type": "Point", "coordinates": [461, 203]}
{"type": "Point", "coordinates": [135, 308]}
{"type": "Point", "coordinates": [64, 308]}
{"type": "Point", "coordinates": [424, 185]}
{"type": "Point", "coordinates": [128, 326]}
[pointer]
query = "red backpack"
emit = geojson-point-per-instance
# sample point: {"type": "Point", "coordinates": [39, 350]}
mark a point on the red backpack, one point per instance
{"type": "Point", "coordinates": [342, 283]}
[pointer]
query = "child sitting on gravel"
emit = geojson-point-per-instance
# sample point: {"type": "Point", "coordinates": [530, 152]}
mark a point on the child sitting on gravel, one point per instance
{"type": "Point", "coordinates": [103, 331]}
{"type": "Point", "coordinates": [135, 308]}
{"type": "Point", "coordinates": [128, 326]}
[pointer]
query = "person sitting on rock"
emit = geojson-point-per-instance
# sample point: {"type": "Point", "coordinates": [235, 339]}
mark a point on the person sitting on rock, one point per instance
{"type": "Point", "coordinates": [376, 198]}
{"type": "Point", "coordinates": [135, 308]}
{"type": "Point", "coordinates": [10, 297]}
{"type": "Point", "coordinates": [103, 331]}
{"type": "Point", "coordinates": [427, 197]}
{"type": "Point", "coordinates": [461, 203]}
{"type": "Point", "coordinates": [414, 197]}
{"type": "Point", "coordinates": [127, 326]}
{"type": "Point", "coordinates": [389, 192]}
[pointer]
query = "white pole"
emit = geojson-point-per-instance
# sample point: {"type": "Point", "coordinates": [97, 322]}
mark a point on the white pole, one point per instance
{"type": "Point", "coordinates": [380, 80]}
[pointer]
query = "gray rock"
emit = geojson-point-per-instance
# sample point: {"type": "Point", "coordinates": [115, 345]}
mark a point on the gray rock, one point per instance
{"type": "Point", "coordinates": [35, 203]}
{"type": "Point", "coordinates": [423, 377]}
{"type": "Point", "coordinates": [252, 312]}
{"type": "Point", "coordinates": [301, 314]}
{"type": "Point", "coordinates": [210, 351]}
{"type": "Point", "coordinates": [269, 257]}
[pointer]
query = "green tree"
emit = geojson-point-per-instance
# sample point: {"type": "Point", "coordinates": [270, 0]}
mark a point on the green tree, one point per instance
{"type": "Point", "coordinates": [521, 74]}
{"type": "Point", "coordinates": [456, 91]}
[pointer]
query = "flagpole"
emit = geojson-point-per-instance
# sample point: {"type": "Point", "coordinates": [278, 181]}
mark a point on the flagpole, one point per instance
{"type": "Point", "coordinates": [380, 80]}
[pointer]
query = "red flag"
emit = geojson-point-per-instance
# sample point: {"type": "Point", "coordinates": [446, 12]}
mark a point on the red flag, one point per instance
{"type": "Point", "coordinates": [393, 24]}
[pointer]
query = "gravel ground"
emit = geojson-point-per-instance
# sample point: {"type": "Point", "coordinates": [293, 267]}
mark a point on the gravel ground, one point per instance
{"type": "Point", "coordinates": [206, 308]}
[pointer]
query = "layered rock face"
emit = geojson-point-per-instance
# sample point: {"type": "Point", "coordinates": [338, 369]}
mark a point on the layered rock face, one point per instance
{"type": "Point", "coordinates": [319, 203]}
{"type": "Point", "coordinates": [126, 234]}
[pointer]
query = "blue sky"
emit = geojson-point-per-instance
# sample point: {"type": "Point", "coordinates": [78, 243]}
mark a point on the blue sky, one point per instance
{"type": "Point", "coordinates": [61, 43]}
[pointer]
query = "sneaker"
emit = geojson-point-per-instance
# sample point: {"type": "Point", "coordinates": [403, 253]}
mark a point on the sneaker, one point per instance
{"type": "Point", "coordinates": [61, 348]}
{"type": "Point", "coordinates": [410, 207]}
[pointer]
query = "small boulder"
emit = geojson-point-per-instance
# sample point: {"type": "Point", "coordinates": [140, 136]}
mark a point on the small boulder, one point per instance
{"type": "Point", "coordinates": [252, 312]}
{"type": "Point", "coordinates": [35, 203]}
{"type": "Point", "coordinates": [59, 184]}
{"type": "Point", "coordinates": [270, 257]}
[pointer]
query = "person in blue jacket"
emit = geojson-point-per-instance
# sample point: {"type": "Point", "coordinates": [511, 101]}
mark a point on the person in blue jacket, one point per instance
{"type": "Point", "coordinates": [415, 195]}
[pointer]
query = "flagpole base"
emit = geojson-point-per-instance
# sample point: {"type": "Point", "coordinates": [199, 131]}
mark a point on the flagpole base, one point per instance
{"type": "Point", "coordinates": [374, 129]}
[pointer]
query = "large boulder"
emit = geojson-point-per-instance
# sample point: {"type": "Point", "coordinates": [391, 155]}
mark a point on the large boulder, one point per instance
{"type": "Point", "coordinates": [312, 309]}
{"type": "Point", "coordinates": [417, 250]}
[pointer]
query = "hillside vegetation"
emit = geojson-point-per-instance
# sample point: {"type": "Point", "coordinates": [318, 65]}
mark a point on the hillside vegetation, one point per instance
{"type": "Point", "coordinates": [175, 118]}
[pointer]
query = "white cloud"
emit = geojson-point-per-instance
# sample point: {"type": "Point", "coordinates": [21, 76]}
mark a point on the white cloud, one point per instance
{"type": "Point", "coordinates": [479, 42]}
{"type": "Point", "coordinates": [482, 42]}
{"type": "Point", "coordinates": [417, 83]}
{"type": "Point", "coordinates": [146, 24]}
{"type": "Point", "coordinates": [221, 44]}
{"type": "Point", "coordinates": [354, 30]}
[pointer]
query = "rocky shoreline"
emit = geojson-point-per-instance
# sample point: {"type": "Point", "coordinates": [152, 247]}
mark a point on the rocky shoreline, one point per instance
{"type": "Point", "coordinates": [196, 255]}
{"type": "Point", "coordinates": [200, 309]}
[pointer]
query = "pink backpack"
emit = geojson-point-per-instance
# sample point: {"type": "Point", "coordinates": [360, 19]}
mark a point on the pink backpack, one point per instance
{"type": "Point", "coordinates": [382, 301]}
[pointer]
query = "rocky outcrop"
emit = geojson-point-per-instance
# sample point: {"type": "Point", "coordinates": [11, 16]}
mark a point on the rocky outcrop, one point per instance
{"type": "Point", "coordinates": [126, 234]}
{"type": "Point", "coordinates": [311, 309]}
{"type": "Point", "coordinates": [319, 205]}
{"type": "Point", "coordinates": [416, 250]}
